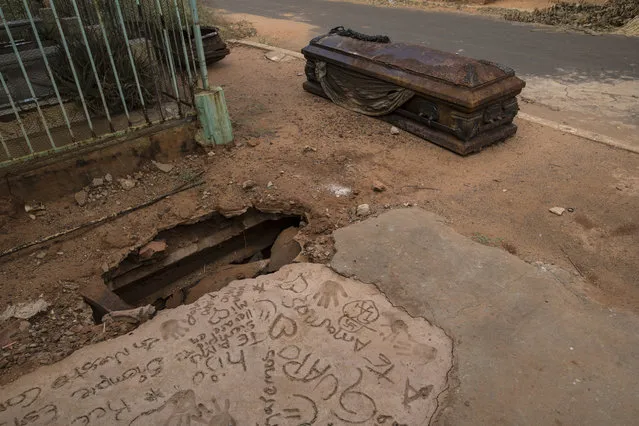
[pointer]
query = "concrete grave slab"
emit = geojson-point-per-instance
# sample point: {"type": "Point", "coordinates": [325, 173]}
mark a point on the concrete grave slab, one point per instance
{"type": "Point", "coordinates": [529, 348]}
{"type": "Point", "coordinates": [302, 346]}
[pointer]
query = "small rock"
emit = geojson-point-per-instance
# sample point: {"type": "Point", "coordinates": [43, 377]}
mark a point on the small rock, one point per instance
{"type": "Point", "coordinates": [308, 148]}
{"type": "Point", "coordinates": [394, 130]}
{"type": "Point", "coordinates": [151, 249]}
{"type": "Point", "coordinates": [165, 168]}
{"type": "Point", "coordinates": [249, 184]}
{"type": "Point", "coordinates": [379, 186]}
{"type": "Point", "coordinates": [108, 178]}
{"type": "Point", "coordinates": [35, 207]}
{"type": "Point", "coordinates": [127, 184]}
{"type": "Point", "coordinates": [253, 142]}
{"type": "Point", "coordinates": [24, 310]}
{"type": "Point", "coordinates": [23, 325]}
{"type": "Point", "coordinates": [41, 255]}
{"type": "Point", "coordinates": [211, 153]}
{"type": "Point", "coordinates": [363, 210]}
{"type": "Point", "coordinates": [557, 210]}
{"type": "Point", "coordinates": [270, 184]}
{"type": "Point", "coordinates": [32, 216]}
{"type": "Point", "coordinates": [97, 182]}
{"type": "Point", "coordinates": [81, 198]}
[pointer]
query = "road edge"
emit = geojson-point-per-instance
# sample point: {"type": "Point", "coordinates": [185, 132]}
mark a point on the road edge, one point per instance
{"type": "Point", "coordinates": [582, 133]}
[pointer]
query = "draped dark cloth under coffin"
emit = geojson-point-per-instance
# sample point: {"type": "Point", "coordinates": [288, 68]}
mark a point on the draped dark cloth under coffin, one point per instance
{"type": "Point", "coordinates": [357, 92]}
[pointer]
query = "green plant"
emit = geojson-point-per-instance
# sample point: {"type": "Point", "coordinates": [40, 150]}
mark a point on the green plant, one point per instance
{"type": "Point", "coordinates": [81, 57]}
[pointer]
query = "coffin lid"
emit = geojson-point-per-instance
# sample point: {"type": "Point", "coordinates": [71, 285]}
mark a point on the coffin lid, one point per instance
{"type": "Point", "coordinates": [420, 68]}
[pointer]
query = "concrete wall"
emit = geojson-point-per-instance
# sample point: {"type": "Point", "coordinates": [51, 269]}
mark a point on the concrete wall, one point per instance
{"type": "Point", "coordinates": [60, 175]}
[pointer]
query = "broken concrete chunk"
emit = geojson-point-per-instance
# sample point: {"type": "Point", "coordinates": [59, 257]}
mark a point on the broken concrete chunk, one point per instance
{"type": "Point", "coordinates": [165, 168]}
{"type": "Point", "coordinates": [34, 207]}
{"type": "Point", "coordinates": [285, 249]}
{"type": "Point", "coordinates": [24, 310]}
{"type": "Point", "coordinates": [108, 178]}
{"type": "Point", "coordinates": [151, 376]}
{"type": "Point", "coordinates": [557, 210]}
{"type": "Point", "coordinates": [131, 316]}
{"type": "Point", "coordinates": [81, 198]}
{"type": "Point", "coordinates": [151, 249]}
{"type": "Point", "coordinates": [394, 130]}
{"type": "Point", "coordinates": [278, 56]}
{"type": "Point", "coordinates": [363, 210]}
{"type": "Point", "coordinates": [127, 184]}
{"type": "Point", "coordinates": [97, 182]}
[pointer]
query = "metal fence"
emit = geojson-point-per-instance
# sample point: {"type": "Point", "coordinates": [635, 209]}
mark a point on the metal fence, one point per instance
{"type": "Point", "coordinates": [75, 71]}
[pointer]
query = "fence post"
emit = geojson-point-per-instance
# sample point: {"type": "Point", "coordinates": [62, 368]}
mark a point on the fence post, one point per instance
{"type": "Point", "coordinates": [197, 34]}
{"type": "Point", "coordinates": [211, 104]}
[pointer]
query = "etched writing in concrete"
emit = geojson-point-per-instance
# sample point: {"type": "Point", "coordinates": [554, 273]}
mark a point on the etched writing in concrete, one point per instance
{"type": "Point", "coordinates": [303, 346]}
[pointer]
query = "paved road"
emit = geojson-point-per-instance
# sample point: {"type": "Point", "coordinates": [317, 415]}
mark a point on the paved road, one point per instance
{"type": "Point", "coordinates": [529, 49]}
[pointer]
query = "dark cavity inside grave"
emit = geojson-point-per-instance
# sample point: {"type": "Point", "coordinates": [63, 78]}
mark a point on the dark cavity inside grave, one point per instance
{"type": "Point", "coordinates": [189, 260]}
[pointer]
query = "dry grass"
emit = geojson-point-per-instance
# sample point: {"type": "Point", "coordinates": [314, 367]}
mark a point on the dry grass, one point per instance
{"type": "Point", "coordinates": [228, 29]}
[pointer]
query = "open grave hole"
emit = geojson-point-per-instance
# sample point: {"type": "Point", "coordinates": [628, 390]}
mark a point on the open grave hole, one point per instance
{"type": "Point", "coordinates": [189, 260]}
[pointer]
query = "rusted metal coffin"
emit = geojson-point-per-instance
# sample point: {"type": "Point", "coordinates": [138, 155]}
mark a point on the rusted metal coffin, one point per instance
{"type": "Point", "coordinates": [459, 103]}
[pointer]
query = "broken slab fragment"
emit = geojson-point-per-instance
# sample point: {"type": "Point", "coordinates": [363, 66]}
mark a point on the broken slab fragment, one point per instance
{"type": "Point", "coordinates": [530, 348]}
{"type": "Point", "coordinates": [285, 249]}
{"type": "Point", "coordinates": [459, 103]}
{"type": "Point", "coordinates": [301, 346]}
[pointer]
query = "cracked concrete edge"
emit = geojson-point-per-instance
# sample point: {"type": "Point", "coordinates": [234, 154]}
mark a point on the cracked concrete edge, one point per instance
{"type": "Point", "coordinates": [585, 134]}
{"type": "Point", "coordinates": [582, 133]}
{"type": "Point", "coordinates": [452, 380]}
{"type": "Point", "coordinates": [266, 47]}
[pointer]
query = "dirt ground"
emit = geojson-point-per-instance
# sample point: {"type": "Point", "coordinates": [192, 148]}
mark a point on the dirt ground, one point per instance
{"type": "Point", "coordinates": [323, 160]}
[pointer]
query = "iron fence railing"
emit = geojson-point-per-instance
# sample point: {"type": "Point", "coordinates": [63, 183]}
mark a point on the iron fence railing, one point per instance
{"type": "Point", "coordinates": [73, 71]}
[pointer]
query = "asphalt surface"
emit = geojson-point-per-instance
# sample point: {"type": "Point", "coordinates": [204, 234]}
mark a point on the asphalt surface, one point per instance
{"type": "Point", "coordinates": [529, 49]}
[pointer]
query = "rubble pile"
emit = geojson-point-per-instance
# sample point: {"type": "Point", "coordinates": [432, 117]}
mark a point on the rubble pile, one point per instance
{"type": "Point", "coordinates": [609, 16]}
